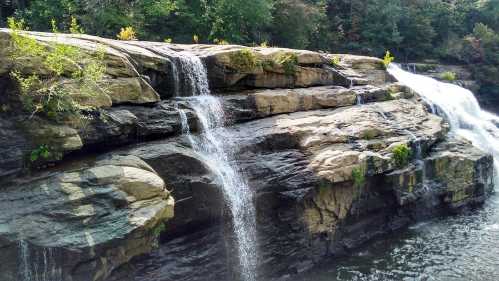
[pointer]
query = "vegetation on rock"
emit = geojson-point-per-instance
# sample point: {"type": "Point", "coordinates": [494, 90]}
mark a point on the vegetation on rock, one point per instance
{"type": "Point", "coordinates": [401, 154]}
{"type": "Point", "coordinates": [359, 177]}
{"type": "Point", "coordinates": [244, 60]}
{"type": "Point", "coordinates": [388, 58]}
{"type": "Point", "coordinates": [49, 95]}
{"type": "Point", "coordinates": [335, 61]}
{"type": "Point", "coordinates": [40, 152]}
{"type": "Point", "coordinates": [127, 34]}
{"type": "Point", "coordinates": [288, 61]}
{"type": "Point", "coordinates": [448, 76]}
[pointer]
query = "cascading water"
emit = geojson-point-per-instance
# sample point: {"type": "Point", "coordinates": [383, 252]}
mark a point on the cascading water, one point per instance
{"type": "Point", "coordinates": [460, 108]}
{"type": "Point", "coordinates": [215, 148]}
{"type": "Point", "coordinates": [37, 265]}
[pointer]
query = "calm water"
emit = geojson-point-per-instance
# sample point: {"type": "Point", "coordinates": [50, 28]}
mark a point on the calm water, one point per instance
{"type": "Point", "coordinates": [463, 247]}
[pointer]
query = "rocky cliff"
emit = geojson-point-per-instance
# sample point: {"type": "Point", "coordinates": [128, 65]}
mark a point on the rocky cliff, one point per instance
{"type": "Point", "coordinates": [318, 137]}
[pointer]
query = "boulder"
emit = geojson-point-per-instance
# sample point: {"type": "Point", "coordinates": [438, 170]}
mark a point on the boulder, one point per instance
{"type": "Point", "coordinates": [82, 223]}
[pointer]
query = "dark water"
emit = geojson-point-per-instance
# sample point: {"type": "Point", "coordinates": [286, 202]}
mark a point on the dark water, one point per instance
{"type": "Point", "coordinates": [462, 247]}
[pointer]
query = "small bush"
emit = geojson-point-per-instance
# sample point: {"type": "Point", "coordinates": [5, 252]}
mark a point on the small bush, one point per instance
{"type": "Point", "coordinates": [359, 177]}
{"type": "Point", "coordinates": [127, 34]}
{"type": "Point", "coordinates": [401, 154]}
{"type": "Point", "coordinates": [244, 60]}
{"type": "Point", "coordinates": [40, 152]}
{"type": "Point", "coordinates": [288, 61]}
{"type": "Point", "coordinates": [168, 40]}
{"type": "Point", "coordinates": [388, 59]}
{"type": "Point", "coordinates": [335, 61]}
{"type": "Point", "coordinates": [195, 39]}
{"type": "Point", "coordinates": [264, 44]}
{"type": "Point", "coordinates": [74, 27]}
{"type": "Point", "coordinates": [220, 41]}
{"type": "Point", "coordinates": [448, 76]}
{"type": "Point", "coordinates": [47, 95]}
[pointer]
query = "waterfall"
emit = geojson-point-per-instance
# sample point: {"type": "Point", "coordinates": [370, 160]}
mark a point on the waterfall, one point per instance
{"type": "Point", "coordinates": [460, 108]}
{"type": "Point", "coordinates": [359, 100]}
{"type": "Point", "coordinates": [215, 148]}
{"type": "Point", "coordinates": [189, 75]}
{"type": "Point", "coordinates": [32, 259]}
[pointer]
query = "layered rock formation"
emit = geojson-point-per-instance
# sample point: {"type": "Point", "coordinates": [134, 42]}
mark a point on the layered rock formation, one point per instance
{"type": "Point", "coordinates": [315, 135]}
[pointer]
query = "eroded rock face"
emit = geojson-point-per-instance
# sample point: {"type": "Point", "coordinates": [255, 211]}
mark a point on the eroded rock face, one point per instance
{"type": "Point", "coordinates": [300, 166]}
{"type": "Point", "coordinates": [81, 224]}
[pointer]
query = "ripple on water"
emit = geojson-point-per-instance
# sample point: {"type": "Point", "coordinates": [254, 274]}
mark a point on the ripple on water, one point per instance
{"type": "Point", "coordinates": [463, 247]}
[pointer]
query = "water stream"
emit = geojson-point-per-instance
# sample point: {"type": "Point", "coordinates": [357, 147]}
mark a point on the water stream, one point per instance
{"type": "Point", "coordinates": [214, 146]}
{"type": "Point", "coordinates": [38, 264]}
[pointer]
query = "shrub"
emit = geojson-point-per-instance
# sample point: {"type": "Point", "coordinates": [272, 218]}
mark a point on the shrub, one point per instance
{"type": "Point", "coordinates": [288, 61]}
{"type": "Point", "coordinates": [127, 34]}
{"type": "Point", "coordinates": [40, 152]}
{"type": "Point", "coordinates": [264, 44]}
{"type": "Point", "coordinates": [220, 41]}
{"type": "Point", "coordinates": [74, 27]}
{"type": "Point", "coordinates": [168, 40]}
{"type": "Point", "coordinates": [47, 95]}
{"type": "Point", "coordinates": [388, 59]}
{"type": "Point", "coordinates": [359, 177]}
{"type": "Point", "coordinates": [401, 155]}
{"type": "Point", "coordinates": [335, 61]}
{"type": "Point", "coordinates": [244, 60]}
{"type": "Point", "coordinates": [195, 39]}
{"type": "Point", "coordinates": [448, 76]}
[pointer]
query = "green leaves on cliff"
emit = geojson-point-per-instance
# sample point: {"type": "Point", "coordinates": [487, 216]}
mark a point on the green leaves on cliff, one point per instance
{"type": "Point", "coordinates": [244, 60]}
{"type": "Point", "coordinates": [359, 177]}
{"type": "Point", "coordinates": [401, 155]}
{"type": "Point", "coordinates": [40, 152]}
{"type": "Point", "coordinates": [49, 95]}
{"type": "Point", "coordinates": [288, 61]}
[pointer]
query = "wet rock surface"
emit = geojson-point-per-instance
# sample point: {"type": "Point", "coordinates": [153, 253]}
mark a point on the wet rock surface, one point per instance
{"type": "Point", "coordinates": [81, 223]}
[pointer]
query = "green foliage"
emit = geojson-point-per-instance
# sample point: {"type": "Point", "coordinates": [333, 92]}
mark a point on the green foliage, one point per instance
{"type": "Point", "coordinates": [159, 229]}
{"type": "Point", "coordinates": [448, 76]}
{"type": "Point", "coordinates": [288, 61]}
{"type": "Point", "coordinates": [388, 58]}
{"type": "Point", "coordinates": [244, 60]}
{"type": "Point", "coordinates": [41, 152]}
{"type": "Point", "coordinates": [369, 134]}
{"type": "Point", "coordinates": [47, 95]}
{"type": "Point", "coordinates": [359, 177]}
{"type": "Point", "coordinates": [335, 61]}
{"type": "Point", "coordinates": [401, 154]}
{"type": "Point", "coordinates": [127, 33]}
{"type": "Point", "coordinates": [74, 27]}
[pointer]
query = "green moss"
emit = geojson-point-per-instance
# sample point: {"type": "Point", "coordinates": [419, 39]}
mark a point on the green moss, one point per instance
{"type": "Point", "coordinates": [158, 229]}
{"type": "Point", "coordinates": [401, 154]}
{"type": "Point", "coordinates": [359, 177]}
{"type": "Point", "coordinates": [288, 61]}
{"type": "Point", "coordinates": [369, 134]}
{"type": "Point", "coordinates": [448, 76]}
{"type": "Point", "coordinates": [244, 60]}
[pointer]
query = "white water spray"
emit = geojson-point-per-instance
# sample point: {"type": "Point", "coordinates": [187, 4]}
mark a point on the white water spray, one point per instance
{"type": "Point", "coordinates": [37, 265]}
{"type": "Point", "coordinates": [213, 145]}
{"type": "Point", "coordinates": [461, 109]}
